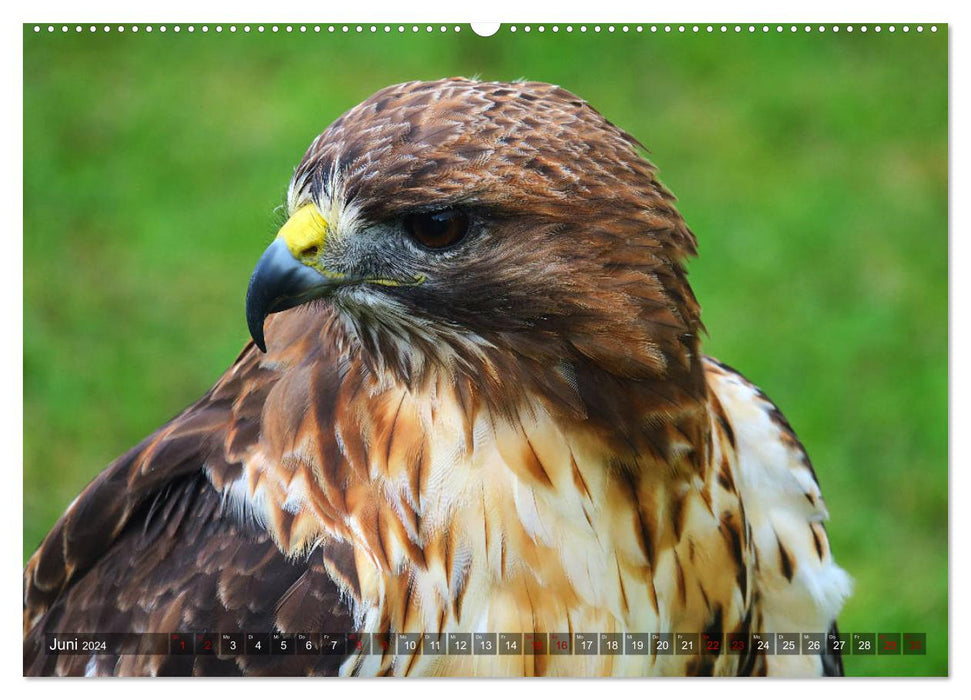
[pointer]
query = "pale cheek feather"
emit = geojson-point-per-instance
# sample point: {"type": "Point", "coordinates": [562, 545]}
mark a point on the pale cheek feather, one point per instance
{"type": "Point", "coordinates": [391, 325]}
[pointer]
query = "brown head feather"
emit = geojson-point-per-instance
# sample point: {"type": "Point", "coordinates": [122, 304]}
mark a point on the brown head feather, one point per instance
{"type": "Point", "coordinates": [572, 282]}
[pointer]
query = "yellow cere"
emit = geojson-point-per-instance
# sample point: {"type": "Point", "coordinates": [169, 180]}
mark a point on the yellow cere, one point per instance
{"type": "Point", "coordinates": [304, 231]}
{"type": "Point", "coordinates": [305, 234]}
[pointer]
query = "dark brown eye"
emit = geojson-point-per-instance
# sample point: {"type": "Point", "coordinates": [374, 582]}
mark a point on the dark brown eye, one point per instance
{"type": "Point", "coordinates": [439, 229]}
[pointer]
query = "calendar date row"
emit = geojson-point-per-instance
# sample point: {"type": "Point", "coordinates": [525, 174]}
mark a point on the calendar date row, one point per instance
{"type": "Point", "coordinates": [487, 643]}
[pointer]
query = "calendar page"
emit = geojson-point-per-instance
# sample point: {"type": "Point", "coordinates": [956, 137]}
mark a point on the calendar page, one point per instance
{"type": "Point", "coordinates": [438, 349]}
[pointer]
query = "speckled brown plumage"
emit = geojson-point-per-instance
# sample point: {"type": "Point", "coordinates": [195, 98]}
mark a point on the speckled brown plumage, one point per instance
{"type": "Point", "coordinates": [528, 440]}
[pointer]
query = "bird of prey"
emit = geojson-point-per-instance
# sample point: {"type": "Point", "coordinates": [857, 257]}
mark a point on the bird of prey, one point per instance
{"type": "Point", "coordinates": [475, 402]}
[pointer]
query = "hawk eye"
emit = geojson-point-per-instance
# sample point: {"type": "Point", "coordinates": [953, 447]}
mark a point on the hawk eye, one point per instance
{"type": "Point", "coordinates": [439, 229]}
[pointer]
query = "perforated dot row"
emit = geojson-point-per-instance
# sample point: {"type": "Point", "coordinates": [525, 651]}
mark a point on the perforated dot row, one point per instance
{"type": "Point", "coordinates": [427, 28]}
{"type": "Point", "coordinates": [724, 28]}
{"type": "Point", "coordinates": [251, 28]}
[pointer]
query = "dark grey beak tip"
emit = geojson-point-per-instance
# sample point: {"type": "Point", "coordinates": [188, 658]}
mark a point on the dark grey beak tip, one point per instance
{"type": "Point", "coordinates": [279, 282]}
{"type": "Point", "coordinates": [259, 341]}
{"type": "Point", "coordinates": [256, 310]}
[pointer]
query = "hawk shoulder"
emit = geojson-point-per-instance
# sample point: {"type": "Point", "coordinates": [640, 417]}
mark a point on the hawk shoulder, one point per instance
{"type": "Point", "coordinates": [154, 545]}
{"type": "Point", "coordinates": [798, 585]}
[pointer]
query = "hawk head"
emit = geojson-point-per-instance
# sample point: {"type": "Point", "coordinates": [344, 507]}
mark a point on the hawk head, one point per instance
{"type": "Point", "coordinates": [503, 232]}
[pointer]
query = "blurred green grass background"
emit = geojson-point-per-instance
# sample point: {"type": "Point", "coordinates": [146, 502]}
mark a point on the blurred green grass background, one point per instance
{"type": "Point", "coordinates": [812, 167]}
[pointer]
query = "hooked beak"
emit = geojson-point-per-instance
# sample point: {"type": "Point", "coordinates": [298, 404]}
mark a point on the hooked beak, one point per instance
{"type": "Point", "coordinates": [290, 272]}
{"type": "Point", "coordinates": [280, 282]}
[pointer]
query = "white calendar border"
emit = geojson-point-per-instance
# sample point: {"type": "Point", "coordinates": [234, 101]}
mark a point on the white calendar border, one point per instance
{"type": "Point", "coordinates": [603, 11]}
